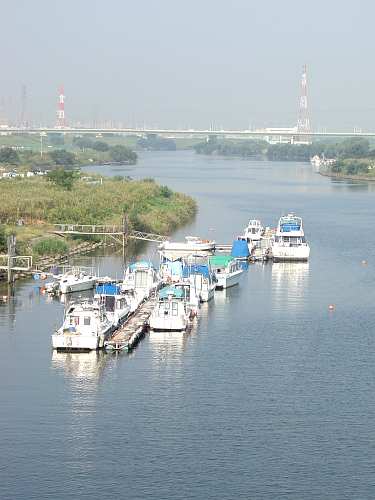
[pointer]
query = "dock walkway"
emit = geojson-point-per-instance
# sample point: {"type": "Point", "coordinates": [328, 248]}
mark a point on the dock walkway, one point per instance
{"type": "Point", "coordinates": [130, 333]}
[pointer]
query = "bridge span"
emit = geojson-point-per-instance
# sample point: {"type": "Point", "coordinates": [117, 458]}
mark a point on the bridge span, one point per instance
{"type": "Point", "coordinates": [185, 133]}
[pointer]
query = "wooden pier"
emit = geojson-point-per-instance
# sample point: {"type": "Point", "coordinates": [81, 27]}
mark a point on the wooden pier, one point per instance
{"type": "Point", "coordinates": [130, 333]}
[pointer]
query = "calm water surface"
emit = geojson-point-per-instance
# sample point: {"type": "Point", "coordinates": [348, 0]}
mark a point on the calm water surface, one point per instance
{"type": "Point", "coordinates": [269, 396]}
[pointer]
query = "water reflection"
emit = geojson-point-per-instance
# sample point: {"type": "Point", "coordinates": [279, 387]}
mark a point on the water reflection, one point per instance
{"type": "Point", "coordinates": [80, 367]}
{"type": "Point", "coordinates": [167, 348]}
{"type": "Point", "coordinates": [290, 282]}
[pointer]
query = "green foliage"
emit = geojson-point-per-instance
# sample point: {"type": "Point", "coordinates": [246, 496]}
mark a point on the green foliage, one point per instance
{"type": "Point", "coordinates": [206, 148]}
{"type": "Point", "coordinates": [354, 147]}
{"type": "Point", "coordinates": [50, 246]}
{"type": "Point", "coordinates": [350, 167]}
{"type": "Point", "coordinates": [121, 154]}
{"type": "Point", "coordinates": [56, 140]}
{"type": "Point", "coordinates": [9, 155]}
{"type": "Point", "coordinates": [62, 178]}
{"type": "Point", "coordinates": [83, 142]}
{"type": "Point", "coordinates": [157, 144]}
{"type": "Point", "coordinates": [3, 240]}
{"type": "Point", "coordinates": [62, 157]}
{"type": "Point", "coordinates": [165, 191]}
{"type": "Point", "coordinates": [118, 177]}
{"type": "Point", "coordinates": [100, 146]}
{"type": "Point", "coordinates": [148, 206]}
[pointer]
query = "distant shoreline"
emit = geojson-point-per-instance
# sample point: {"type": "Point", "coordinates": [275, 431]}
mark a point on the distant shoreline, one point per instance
{"type": "Point", "coordinates": [339, 175]}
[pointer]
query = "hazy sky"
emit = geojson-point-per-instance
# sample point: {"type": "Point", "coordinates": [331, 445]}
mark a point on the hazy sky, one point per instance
{"type": "Point", "coordinates": [177, 63]}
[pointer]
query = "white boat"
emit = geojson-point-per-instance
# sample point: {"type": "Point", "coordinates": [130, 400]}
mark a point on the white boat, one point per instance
{"type": "Point", "coordinates": [76, 279]}
{"type": "Point", "coordinates": [203, 280]}
{"type": "Point", "coordinates": [192, 244]}
{"type": "Point", "coordinates": [115, 303]}
{"type": "Point", "coordinates": [226, 269]}
{"type": "Point", "coordinates": [85, 326]}
{"type": "Point", "coordinates": [171, 311]}
{"type": "Point", "coordinates": [140, 280]}
{"type": "Point", "coordinates": [254, 231]}
{"type": "Point", "coordinates": [290, 242]}
{"type": "Point", "coordinates": [191, 296]}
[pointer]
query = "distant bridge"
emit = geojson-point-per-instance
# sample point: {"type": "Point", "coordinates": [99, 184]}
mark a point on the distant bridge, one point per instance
{"type": "Point", "coordinates": [190, 132]}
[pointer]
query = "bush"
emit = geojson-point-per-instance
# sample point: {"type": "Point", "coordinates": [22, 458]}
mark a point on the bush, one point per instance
{"type": "Point", "coordinates": [50, 246]}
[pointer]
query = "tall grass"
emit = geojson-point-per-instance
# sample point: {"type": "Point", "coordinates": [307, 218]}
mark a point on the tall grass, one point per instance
{"type": "Point", "coordinates": [148, 207]}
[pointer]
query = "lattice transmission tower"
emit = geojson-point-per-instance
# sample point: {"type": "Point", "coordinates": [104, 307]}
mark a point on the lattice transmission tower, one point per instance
{"type": "Point", "coordinates": [303, 126]}
{"type": "Point", "coordinates": [61, 121]}
{"type": "Point", "coordinates": [23, 119]}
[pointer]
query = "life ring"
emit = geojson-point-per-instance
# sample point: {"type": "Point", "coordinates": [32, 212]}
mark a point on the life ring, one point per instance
{"type": "Point", "coordinates": [169, 279]}
{"type": "Point", "coordinates": [96, 314]}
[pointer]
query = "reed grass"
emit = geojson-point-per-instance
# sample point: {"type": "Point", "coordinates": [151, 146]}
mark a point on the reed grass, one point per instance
{"type": "Point", "coordinates": [147, 206]}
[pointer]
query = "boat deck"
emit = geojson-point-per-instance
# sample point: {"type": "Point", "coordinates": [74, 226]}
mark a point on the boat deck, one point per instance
{"type": "Point", "coordinates": [129, 334]}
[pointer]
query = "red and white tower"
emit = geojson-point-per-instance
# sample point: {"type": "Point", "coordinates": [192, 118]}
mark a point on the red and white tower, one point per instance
{"type": "Point", "coordinates": [303, 125]}
{"type": "Point", "coordinates": [61, 122]}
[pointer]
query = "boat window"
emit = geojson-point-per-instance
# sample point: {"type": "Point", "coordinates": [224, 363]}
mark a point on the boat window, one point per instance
{"type": "Point", "coordinates": [166, 305]}
{"type": "Point", "coordinates": [74, 320]}
{"type": "Point", "coordinates": [286, 239]}
{"type": "Point", "coordinates": [86, 320]}
{"type": "Point", "coordinates": [293, 241]}
{"type": "Point", "coordinates": [174, 308]}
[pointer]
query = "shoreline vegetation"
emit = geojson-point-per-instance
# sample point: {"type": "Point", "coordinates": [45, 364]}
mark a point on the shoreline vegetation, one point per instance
{"type": "Point", "coordinates": [30, 206]}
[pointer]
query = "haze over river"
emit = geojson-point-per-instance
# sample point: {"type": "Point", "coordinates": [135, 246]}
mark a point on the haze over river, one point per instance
{"type": "Point", "coordinates": [269, 396]}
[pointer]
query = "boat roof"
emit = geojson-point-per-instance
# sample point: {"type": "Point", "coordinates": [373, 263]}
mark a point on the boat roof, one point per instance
{"type": "Point", "coordinates": [221, 260]}
{"type": "Point", "coordinates": [170, 290]}
{"type": "Point", "coordinates": [196, 269]}
{"type": "Point", "coordinates": [142, 265]}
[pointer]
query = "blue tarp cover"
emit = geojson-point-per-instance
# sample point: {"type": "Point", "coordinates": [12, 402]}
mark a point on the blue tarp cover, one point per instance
{"type": "Point", "coordinates": [108, 289]}
{"type": "Point", "coordinates": [240, 249]}
{"type": "Point", "coordinates": [197, 269]}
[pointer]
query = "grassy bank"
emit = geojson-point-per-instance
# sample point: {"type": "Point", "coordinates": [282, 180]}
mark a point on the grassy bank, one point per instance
{"type": "Point", "coordinates": [148, 207]}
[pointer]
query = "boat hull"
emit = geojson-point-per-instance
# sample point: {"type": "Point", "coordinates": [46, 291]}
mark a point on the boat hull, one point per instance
{"type": "Point", "coordinates": [79, 286]}
{"type": "Point", "coordinates": [169, 324]}
{"type": "Point", "coordinates": [281, 254]}
{"type": "Point", "coordinates": [226, 281]}
{"type": "Point", "coordinates": [76, 342]}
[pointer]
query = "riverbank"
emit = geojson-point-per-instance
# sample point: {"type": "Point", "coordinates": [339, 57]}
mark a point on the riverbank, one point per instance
{"type": "Point", "coordinates": [339, 175]}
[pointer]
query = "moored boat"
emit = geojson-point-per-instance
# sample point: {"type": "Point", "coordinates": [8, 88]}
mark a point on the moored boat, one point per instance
{"type": "Point", "coordinates": [254, 230]}
{"type": "Point", "coordinates": [170, 311]}
{"type": "Point", "coordinates": [226, 269]}
{"type": "Point", "coordinates": [290, 241]}
{"type": "Point", "coordinates": [85, 326]}
{"type": "Point", "coordinates": [76, 279]}
{"type": "Point", "coordinates": [140, 280]}
{"type": "Point", "coordinates": [192, 244]}
{"type": "Point", "coordinates": [203, 280]}
{"type": "Point", "coordinates": [115, 303]}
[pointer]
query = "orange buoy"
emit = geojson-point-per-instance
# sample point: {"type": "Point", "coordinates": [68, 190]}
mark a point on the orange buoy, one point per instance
{"type": "Point", "coordinates": [363, 262]}
{"type": "Point", "coordinates": [331, 308]}
{"type": "Point", "coordinates": [211, 229]}
{"type": "Point", "coordinates": [5, 298]}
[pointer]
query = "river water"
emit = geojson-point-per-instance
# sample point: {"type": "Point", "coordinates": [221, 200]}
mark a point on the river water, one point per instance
{"type": "Point", "coordinates": [269, 396]}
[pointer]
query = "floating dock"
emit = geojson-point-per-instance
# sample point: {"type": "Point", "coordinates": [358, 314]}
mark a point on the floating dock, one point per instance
{"type": "Point", "coordinates": [130, 333]}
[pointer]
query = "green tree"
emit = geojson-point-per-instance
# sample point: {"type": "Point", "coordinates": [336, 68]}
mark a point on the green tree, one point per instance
{"type": "Point", "coordinates": [3, 240]}
{"type": "Point", "coordinates": [56, 140]}
{"type": "Point", "coordinates": [121, 154]}
{"type": "Point", "coordinates": [354, 147]}
{"type": "Point", "coordinates": [62, 178]}
{"type": "Point", "coordinates": [100, 146]}
{"type": "Point", "coordinates": [9, 155]}
{"type": "Point", "coordinates": [62, 157]}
